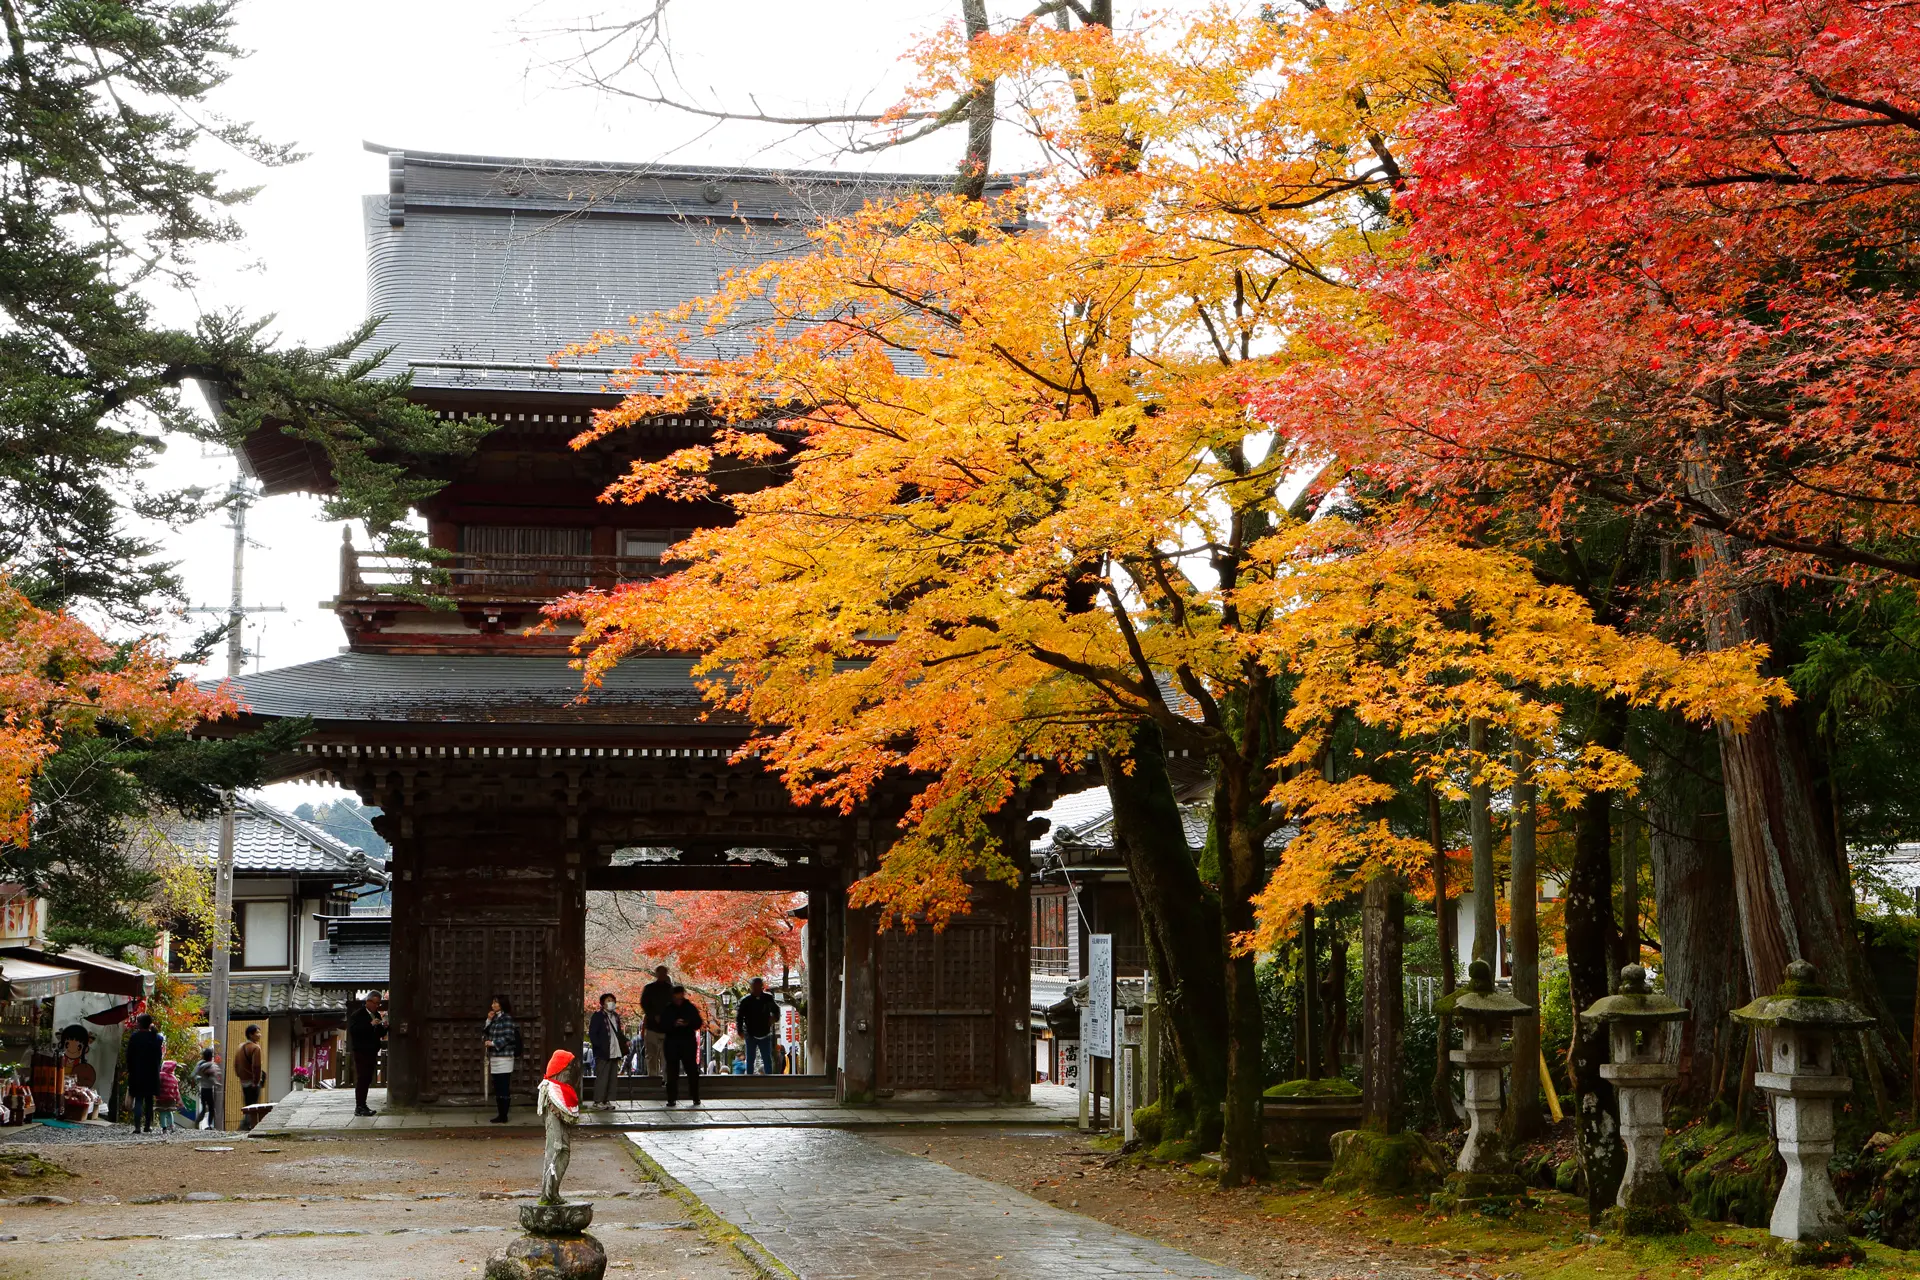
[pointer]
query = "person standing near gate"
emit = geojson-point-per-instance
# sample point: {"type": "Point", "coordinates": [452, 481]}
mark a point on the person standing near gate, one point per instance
{"type": "Point", "coordinates": [146, 1050]}
{"type": "Point", "coordinates": [680, 1025]}
{"type": "Point", "coordinates": [250, 1069]}
{"type": "Point", "coordinates": [365, 1030]}
{"type": "Point", "coordinates": [609, 1039]}
{"type": "Point", "coordinates": [757, 1018]}
{"type": "Point", "coordinates": [502, 1040]}
{"type": "Point", "coordinates": [654, 999]}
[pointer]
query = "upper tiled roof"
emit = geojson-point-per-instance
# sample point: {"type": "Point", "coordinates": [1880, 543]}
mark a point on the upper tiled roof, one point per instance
{"type": "Point", "coordinates": [474, 689]}
{"type": "Point", "coordinates": [484, 266]}
{"type": "Point", "coordinates": [1082, 829]}
{"type": "Point", "coordinates": [268, 841]}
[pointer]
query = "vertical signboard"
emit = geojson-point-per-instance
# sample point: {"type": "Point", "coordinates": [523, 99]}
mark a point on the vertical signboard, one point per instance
{"type": "Point", "coordinates": [1096, 1024]}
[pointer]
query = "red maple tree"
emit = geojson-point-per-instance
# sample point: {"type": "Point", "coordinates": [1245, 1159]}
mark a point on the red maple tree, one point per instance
{"type": "Point", "coordinates": [717, 938]}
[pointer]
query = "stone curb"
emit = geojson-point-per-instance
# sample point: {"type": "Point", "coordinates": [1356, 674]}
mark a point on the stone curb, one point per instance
{"type": "Point", "coordinates": [759, 1263]}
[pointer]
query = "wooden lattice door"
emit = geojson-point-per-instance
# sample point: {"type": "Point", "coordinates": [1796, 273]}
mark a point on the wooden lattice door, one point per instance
{"type": "Point", "coordinates": [937, 1008]}
{"type": "Point", "coordinates": [466, 966]}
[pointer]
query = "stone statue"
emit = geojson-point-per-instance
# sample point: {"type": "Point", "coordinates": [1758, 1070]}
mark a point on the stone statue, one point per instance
{"type": "Point", "coordinates": [559, 1103]}
{"type": "Point", "coordinates": [555, 1246]}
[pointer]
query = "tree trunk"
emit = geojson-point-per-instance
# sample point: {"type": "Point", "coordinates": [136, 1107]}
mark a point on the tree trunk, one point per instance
{"type": "Point", "coordinates": [1628, 949]}
{"type": "Point", "coordinates": [1333, 1002]}
{"type": "Point", "coordinates": [1480, 823]}
{"type": "Point", "coordinates": [1310, 995]}
{"type": "Point", "coordinates": [1243, 1147]}
{"type": "Point", "coordinates": [1523, 1121]}
{"type": "Point", "coordinates": [1589, 925]}
{"type": "Point", "coordinates": [1443, 1108]}
{"type": "Point", "coordinates": [1382, 941]}
{"type": "Point", "coordinates": [1692, 885]}
{"type": "Point", "coordinates": [1179, 917]}
{"type": "Point", "coordinates": [970, 181]}
{"type": "Point", "coordinates": [1790, 883]}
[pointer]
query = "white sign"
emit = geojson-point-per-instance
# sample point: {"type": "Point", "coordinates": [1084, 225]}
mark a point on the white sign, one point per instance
{"type": "Point", "coordinates": [1096, 1022]}
{"type": "Point", "coordinates": [1069, 1064]}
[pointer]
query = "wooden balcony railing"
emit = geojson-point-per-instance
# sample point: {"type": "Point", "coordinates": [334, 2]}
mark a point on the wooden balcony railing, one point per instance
{"type": "Point", "coordinates": [465, 575]}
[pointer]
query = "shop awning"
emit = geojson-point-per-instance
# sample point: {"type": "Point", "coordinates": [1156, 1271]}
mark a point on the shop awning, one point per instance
{"type": "Point", "coordinates": [30, 980]}
{"type": "Point", "coordinates": [92, 972]}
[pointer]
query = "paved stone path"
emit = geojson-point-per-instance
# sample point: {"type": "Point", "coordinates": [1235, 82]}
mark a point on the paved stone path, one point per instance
{"type": "Point", "coordinates": [833, 1206]}
{"type": "Point", "coordinates": [328, 1110]}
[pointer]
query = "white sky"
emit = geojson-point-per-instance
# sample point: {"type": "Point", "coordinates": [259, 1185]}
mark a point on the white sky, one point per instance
{"type": "Point", "coordinates": [466, 76]}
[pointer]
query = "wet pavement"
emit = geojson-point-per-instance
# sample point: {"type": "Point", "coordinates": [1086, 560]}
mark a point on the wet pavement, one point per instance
{"type": "Point", "coordinates": [834, 1206]}
{"type": "Point", "coordinates": [331, 1111]}
{"type": "Point", "coordinates": [371, 1208]}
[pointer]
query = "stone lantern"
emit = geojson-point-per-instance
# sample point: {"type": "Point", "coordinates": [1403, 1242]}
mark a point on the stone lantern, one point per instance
{"type": "Point", "coordinates": [1796, 1026]}
{"type": "Point", "coordinates": [1796, 1031]}
{"type": "Point", "coordinates": [1485, 1170]}
{"type": "Point", "coordinates": [1640, 1028]}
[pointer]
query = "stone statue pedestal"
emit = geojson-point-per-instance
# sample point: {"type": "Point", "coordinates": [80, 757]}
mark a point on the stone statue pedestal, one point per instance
{"type": "Point", "coordinates": [555, 1246]}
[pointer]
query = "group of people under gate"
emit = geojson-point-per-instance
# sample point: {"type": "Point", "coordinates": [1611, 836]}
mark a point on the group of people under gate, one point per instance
{"type": "Point", "coordinates": [668, 1045]}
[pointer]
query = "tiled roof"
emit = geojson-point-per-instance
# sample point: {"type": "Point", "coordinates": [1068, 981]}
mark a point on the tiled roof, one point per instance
{"type": "Point", "coordinates": [264, 997]}
{"type": "Point", "coordinates": [269, 841]}
{"type": "Point", "coordinates": [484, 266]}
{"type": "Point", "coordinates": [353, 952]}
{"type": "Point", "coordinates": [1082, 827]}
{"type": "Point", "coordinates": [351, 964]}
{"type": "Point", "coordinates": [474, 689]}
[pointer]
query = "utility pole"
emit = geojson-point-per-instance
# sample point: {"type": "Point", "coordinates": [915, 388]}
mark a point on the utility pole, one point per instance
{"type": "Point", "coordinates": [239, 497]}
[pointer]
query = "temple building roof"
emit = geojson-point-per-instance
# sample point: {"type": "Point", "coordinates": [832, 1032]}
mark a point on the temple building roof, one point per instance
{"type": "Point", "coordinates": [474, 689]}
{"type": "Point", "coordinates": [484, 266]}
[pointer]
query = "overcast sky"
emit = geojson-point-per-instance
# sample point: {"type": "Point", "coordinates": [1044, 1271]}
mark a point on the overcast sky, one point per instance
{"type": "Point", "coordinates": [466, 76]}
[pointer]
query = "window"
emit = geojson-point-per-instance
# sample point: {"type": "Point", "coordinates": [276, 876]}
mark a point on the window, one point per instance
{"type": "Point", "coordinates": [649, 544]}
{"type": "Point", "coordinates": [498, 555]}
{"type": "Point", "coordinates": [264, 934]}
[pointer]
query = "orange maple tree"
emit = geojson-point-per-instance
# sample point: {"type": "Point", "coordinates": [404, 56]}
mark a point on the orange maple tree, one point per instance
{"type": "Point", "coordinates": [59, 680]}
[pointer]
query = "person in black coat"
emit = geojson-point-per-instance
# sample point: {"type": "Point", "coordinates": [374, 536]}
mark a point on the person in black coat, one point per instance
{"type": "Point", "coordinates": [680, 1024]}
{"type": "Point", "coordinates": [365, 1030]}
{"type": "Point", "coordinates": [146, 1050]}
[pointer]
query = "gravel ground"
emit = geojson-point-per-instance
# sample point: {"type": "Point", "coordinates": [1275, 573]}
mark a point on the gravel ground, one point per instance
{"type": "Point", "coordinates": [47, 1135]}
{"type": "Point", "coordinates": [1244, 1228]}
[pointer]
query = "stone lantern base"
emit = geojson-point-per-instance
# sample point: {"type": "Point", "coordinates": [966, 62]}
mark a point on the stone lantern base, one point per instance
{"type": "Point", "coordinates": [1816, 1253]}
{"type": "Point", "coordinates": [1493, 1195]}
{"type": "Point", "coordinates": [556, 1246]}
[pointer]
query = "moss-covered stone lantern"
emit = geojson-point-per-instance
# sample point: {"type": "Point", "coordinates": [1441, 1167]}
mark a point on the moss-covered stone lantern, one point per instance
{"type": "Point", "coordinates": [1485, 1171]}
{"type": "Point", "coordinates": [1796, 1026]}
{"type": "Point", "coordinates": [1643, 1051]}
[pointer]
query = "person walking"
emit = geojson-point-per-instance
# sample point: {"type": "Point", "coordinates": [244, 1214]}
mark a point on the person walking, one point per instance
{"type": "Point", "coordinates": [146, 1050]}
{"type": "Point", "coordinates": [168, 1100]}
{"type": "Point", "coordinates": [680, 1024]}
{"type": "Point", "coordinates": [365, 1030]}
{"type": "Point", "coordinates": [206, 1078]}
{"type": "Point", "coordinates": [250, 1069]}
{"type": "Point", "coordinates": [502, 1038]}
{"type": "Point", "coordinates": [609, 1039]}
{"type": "Point", "coordinates": [654, 999]}
{"type": "Point", "coordinates": [756, 1019]}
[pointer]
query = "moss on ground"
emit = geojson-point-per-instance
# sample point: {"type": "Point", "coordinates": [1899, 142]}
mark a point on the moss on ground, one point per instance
{"type": "Point", "coordinates": [1725, 1175]}
{"type": "Point", "coordinates": [1333, 1088]}
{"type": "Point", "coordinates": [17, 1168]}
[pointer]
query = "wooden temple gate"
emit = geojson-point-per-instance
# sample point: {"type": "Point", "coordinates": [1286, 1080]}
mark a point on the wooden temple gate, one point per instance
{"type": "Point", "coordinates": [505, 796]}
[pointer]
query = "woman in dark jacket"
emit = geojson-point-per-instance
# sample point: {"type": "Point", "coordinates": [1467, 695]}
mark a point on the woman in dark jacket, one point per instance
{"type": "Point", "coordinates": [146, 1049]}
{"type": "Point", "coordinates": [502, 1039]}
